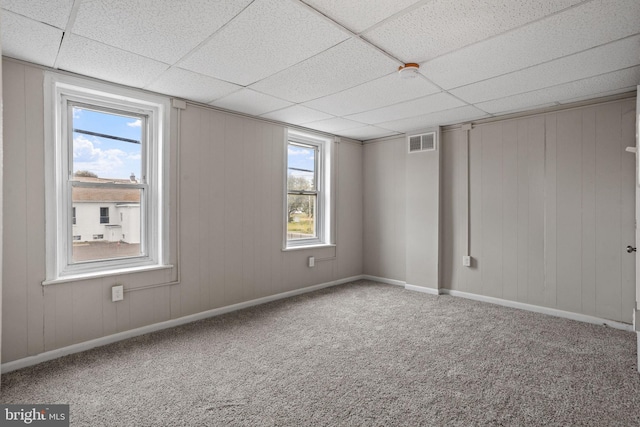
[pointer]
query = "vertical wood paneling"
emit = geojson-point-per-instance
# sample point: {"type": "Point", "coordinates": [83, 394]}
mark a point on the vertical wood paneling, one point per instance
{"type": "Point", "coordinates": [608, 242]}
{"type": "Point", "coordinates": [510, 211]}
{"type": "Point", "coordinates": [234, 170]}
{"type": "Point", "coordinates": [15, 313]}
{"type": "Point", "coordinates": [550, 210]}
{"type": "Point", "coordinates": [474, 274]}
{"type": "Point", "coordinates": [247, 181]}
{"type": "Point", "coordinates": [35, 206]}
{"type": "Point", "coordinates": [588, 218]}
{"type": "Point", "coordinates": [627, 222]}
{"type": "Point", "coordinates": [231, 228]}
{"type": "Point", "coordinates": [449, 246]}
{"type": "Point", "coordinates": [190, 143]}
{"type": "Point", "coordinates": [492, 219]}
{"type": "Point", "coordinates": [87, 312]}
{"type": "Point", "coordinates": [569, 210]}
{"type": "Point", "coordinates": [523, 147]}
{"type": "Point", "coordinates": [561, 198]}
{"type": "Point", "coordinates": [276, 208]}
{"type": "Point", "coordinates": [205, 210]}
{"type": "Point", "coordinates": [536, 236]}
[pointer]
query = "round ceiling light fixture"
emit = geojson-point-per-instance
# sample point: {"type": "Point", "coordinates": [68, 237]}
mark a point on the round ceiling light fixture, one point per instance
{"type": "Point", "coordinates": [408, 71]}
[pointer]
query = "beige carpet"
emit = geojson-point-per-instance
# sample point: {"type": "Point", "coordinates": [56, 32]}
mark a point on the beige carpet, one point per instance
{"type": "Point", "coordinates": [357, 354]}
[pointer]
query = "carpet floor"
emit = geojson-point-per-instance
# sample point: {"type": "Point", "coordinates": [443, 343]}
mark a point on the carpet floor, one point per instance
{"type": "Point", "coordinates": [361, 354]}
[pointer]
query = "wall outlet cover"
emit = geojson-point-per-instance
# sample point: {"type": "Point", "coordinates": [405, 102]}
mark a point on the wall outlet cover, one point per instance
{"type": "Point", "coordinates": [117, 293]}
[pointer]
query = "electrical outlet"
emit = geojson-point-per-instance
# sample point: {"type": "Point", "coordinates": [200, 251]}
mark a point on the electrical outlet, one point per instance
{"type": "Point", "coordinates": [466, 261]}
{"type": "Point", "coordinates": [117, 293]}
{"type": "Point", "coordinates": [312, 261]}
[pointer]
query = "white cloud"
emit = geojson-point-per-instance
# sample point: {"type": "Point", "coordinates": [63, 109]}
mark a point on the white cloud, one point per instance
{"type": "Point", "coordinates": [135, 124]}
{"type": "Point", "coordinates": [297, 151]}
{"type": "Point", "coordinates": [109, 163]}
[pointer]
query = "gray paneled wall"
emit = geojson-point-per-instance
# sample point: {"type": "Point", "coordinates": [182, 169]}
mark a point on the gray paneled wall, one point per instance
{"type": "Point", "coordinates": [231, 226]}
{"type": "Point", "coordinates": [385, 209]}
{"type": "Point", "coordinates": [552, 210]}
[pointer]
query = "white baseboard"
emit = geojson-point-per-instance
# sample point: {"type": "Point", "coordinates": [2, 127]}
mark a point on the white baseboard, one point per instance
{"type": "Point", "coordinates": [109, 339]}
{"type": "Point", "coordinates": [538, 309]}
{"type": "Point", "coordinates": [430, 291]}
{"type": "Point", "coordinates": [638, 353]}
{"type": "Point", "coordinates": [384, 280]}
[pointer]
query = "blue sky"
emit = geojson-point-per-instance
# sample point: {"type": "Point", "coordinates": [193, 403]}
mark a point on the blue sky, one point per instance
{"type": "Point", "coordinates": [301, 158]}
{"type": "Point", "coordinates": [106, 157]}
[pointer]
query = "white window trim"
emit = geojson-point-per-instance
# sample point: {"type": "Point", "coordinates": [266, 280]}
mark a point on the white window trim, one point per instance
{"type": "Point", "coordinates": [325, 231]}
{"type": "Point", "coordinates": [59, 89]}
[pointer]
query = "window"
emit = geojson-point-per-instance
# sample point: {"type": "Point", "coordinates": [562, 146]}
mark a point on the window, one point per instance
{"type": "Point", "coordinates": [104, 215]}
{"type": "Point", "coordinates": [106, 153]}
{"type": "Point", "coordinates": [307, 212]}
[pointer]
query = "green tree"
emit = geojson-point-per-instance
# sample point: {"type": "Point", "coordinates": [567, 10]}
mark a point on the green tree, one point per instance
{"type": "Point", "coordinates": [298, 203]}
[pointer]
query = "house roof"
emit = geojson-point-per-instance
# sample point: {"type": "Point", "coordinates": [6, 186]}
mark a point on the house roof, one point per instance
{"type": "Point", "coordinates": [106, 194]}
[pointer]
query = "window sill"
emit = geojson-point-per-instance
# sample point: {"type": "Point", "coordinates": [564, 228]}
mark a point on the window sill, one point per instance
{"type": "Point", "coordinates": [312, 246]}
{"type": "Point", "coordinates": [96, 275]}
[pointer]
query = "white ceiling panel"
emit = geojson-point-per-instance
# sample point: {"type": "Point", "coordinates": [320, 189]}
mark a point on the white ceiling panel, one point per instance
{"type": "Point", "coordinates": [51, 12]}
{"type": "Point", "coordinates": [417, 107]}
{"type": "Point", "coordinates": [614, 56]}
{"type": "Point", "coordinates": [189, 85]}
{"type": "Point", "coordinates": [346, 65]}
{"type": "Point", "coordinates": [250, 102]}
{"type": "Point", "coordinates": [565, 33]}
{"type": "Point", "coordinates": [334, 125]}
{"type": "Point", "coordinates": [367, 132]}
{"type": "Point", "coordinates": [606, 84]}
{"type": "Point", "coordinates": [25, 39]}
{"type": "Point", "coordinates": [164, 30]}
{"type": "Point", "coordinates": [359, 15]}
{"type": "Point", "coordinates": [378, 93]}
{"type": "Point", "coordinates": [267, 37]}
{"type": "Point", "coordinates": [439, 118]}
{"type": "Point", "coordinates": [297, 114]}
{"type": "Point", "coordinates": [441, 26]}
{"type": "Point", "coordinates": [84, 56]}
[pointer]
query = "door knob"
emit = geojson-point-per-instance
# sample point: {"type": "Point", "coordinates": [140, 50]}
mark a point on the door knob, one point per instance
{"type": "Point", "coordinates": [631, 249]}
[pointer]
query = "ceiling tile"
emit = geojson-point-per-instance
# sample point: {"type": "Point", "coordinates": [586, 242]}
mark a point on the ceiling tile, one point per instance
{"type": "Point", "coordinates": [417, 107]}
{"type": "Point", "coordinates": [29, 40]}
{"type": "Point", "coordinates": [386, 90]}
{"type": "Point", "coordinates": [93, 59]}
{"type": "Point", "coordinates": [606, 84]}
{"type": "Point", "coordinates": [359, 15]}
{"type": "Point", "coordinates": [189, 85]}
{"type": "Point", "coordinates": [297, 114]}
{"type": "Point", "coordinates": [267, 37]}
{"type": "Point", "coordinates": [367, 133]}
{"type": "Point", "coordinates": [441, 26]}
{"type": "Point", "coordinates": [51, 12]}
{"type": "Point", "coordinates": [250, 102]}
{"type": "Point", "coordinates": [164, 30]}
{"type": "Point", "coordinates": [439, 118]}
{"type": "Point", "coordinates": [614, 56]}
{"type": "Point", "coordinates": [346, 65]}
{"type": "Point", "coordinates": [579, 28]}
{"type": "Point", "coordinates": [334, 125]}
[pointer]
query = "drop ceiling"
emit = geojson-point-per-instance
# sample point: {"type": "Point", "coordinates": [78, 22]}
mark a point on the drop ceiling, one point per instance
{"type": "Point", "coordinates": [331, 65]}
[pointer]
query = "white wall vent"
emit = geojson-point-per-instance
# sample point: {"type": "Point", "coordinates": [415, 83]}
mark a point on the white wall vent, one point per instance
{"type": "Point", "coordinates": [422, 142]}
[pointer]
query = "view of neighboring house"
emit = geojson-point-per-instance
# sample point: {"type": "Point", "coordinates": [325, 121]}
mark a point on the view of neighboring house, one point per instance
{"type": "Point", "coordinates": [106, 214]}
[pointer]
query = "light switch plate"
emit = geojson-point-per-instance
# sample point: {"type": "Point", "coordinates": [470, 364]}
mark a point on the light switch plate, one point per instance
{"type": "Point", "coordinates": [117, 293]}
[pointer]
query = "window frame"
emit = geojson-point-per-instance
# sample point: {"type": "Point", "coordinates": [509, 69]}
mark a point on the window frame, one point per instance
{"type": "Point", "coordinates": [61, 93]}
{"type": "Point", "coordinates": [323, 190]}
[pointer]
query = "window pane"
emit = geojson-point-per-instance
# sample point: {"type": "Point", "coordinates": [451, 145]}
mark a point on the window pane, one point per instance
{"type": "Point", "coordinates": [301, 217]}
{"type": "Point", "coordinates": [106, 147]}
{"type": "Point", "coordinates": [301, 168]}
{"type": "Point", "coordinates": [108, 229]}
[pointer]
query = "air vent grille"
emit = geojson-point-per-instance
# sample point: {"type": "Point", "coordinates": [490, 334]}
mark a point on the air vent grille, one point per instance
{"type": "Point", "coordinates": [422, 142]}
